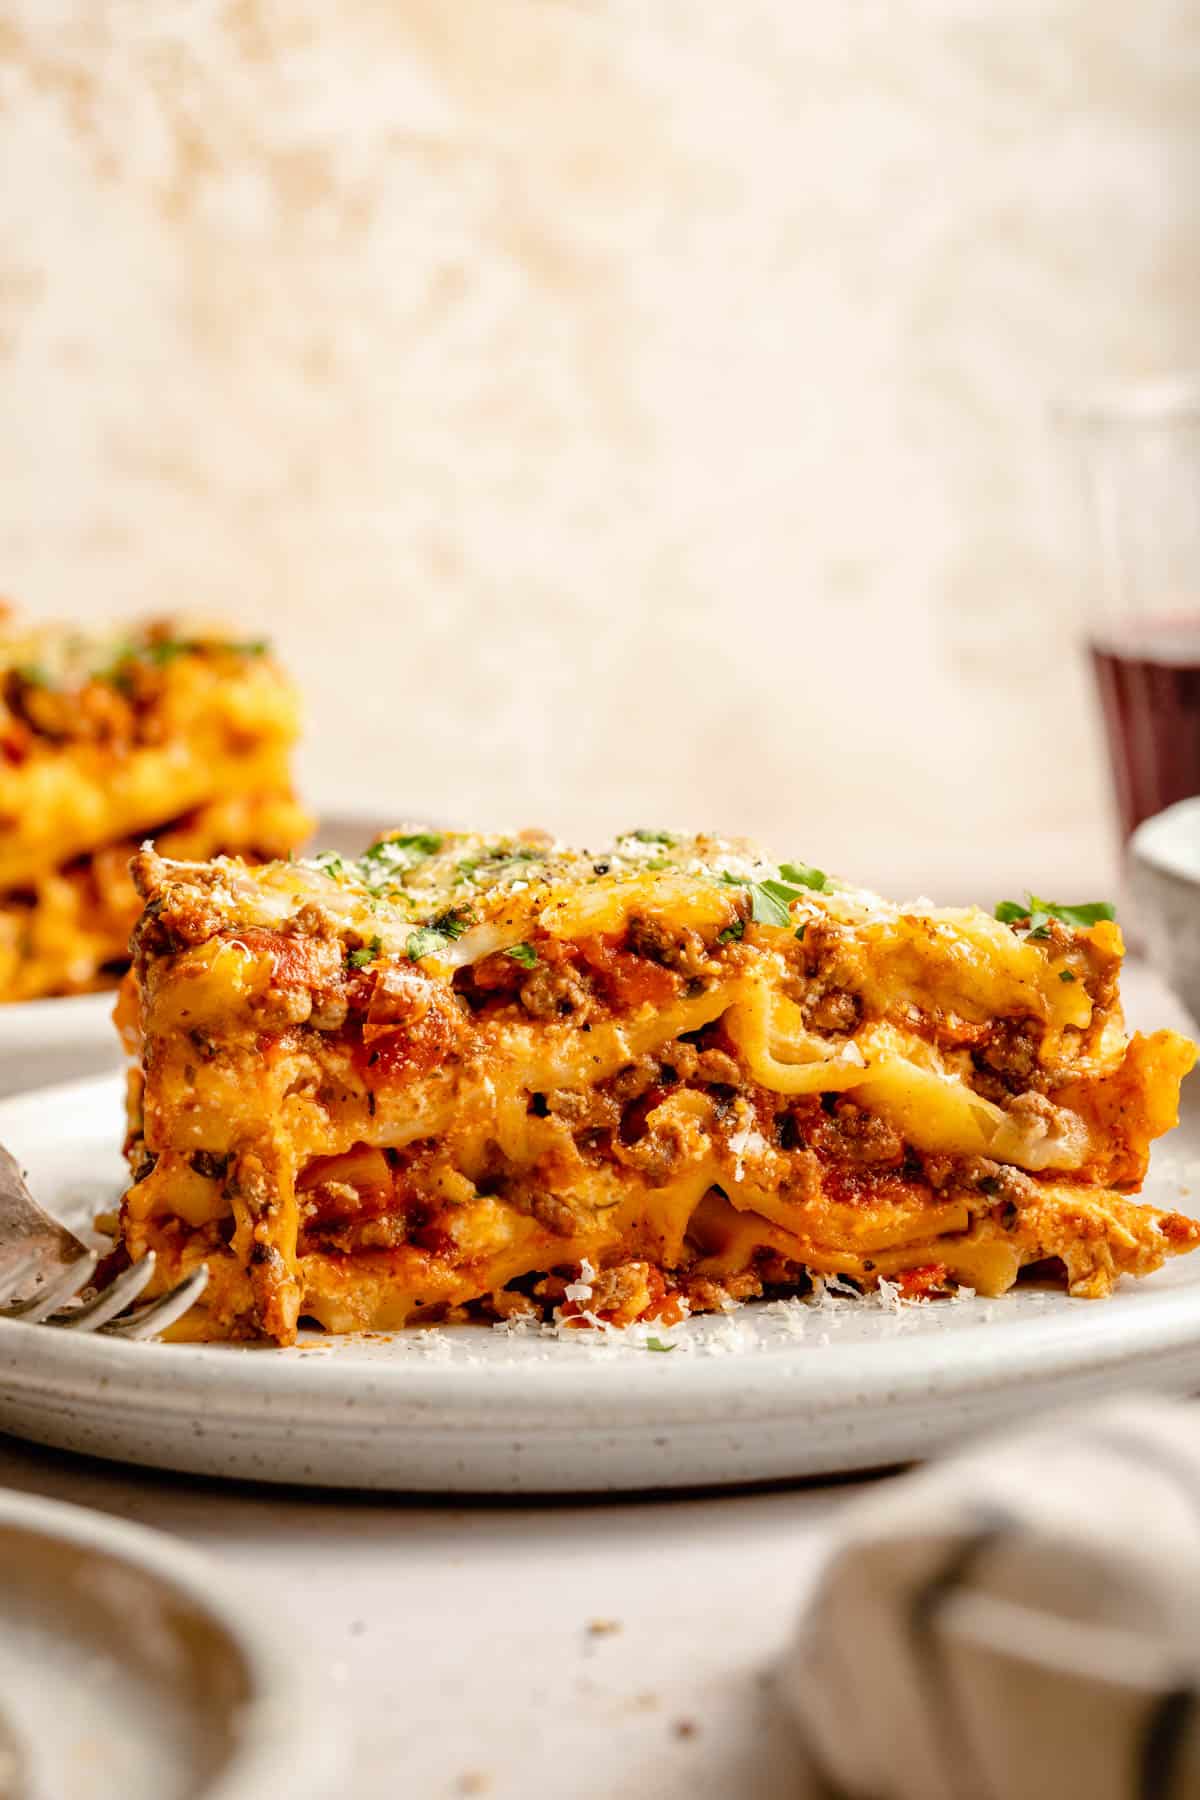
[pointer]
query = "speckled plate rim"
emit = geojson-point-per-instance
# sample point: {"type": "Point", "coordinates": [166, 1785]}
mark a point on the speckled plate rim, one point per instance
{"type": "Point", "coordinates": [614, 1390]}
{"type": "Point", "coordinates": [489, 1413]}
{"type": "Point", "coordinates": [286, 1739]}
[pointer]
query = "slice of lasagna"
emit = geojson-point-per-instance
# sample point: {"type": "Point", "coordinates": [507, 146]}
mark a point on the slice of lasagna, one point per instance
{"type": "Point", "coordinates": [169, 730]}
{"type": "Point", "coordinates": [496, 1075]}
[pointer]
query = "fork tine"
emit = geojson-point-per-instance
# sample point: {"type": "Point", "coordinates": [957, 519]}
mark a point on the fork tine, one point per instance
{"type": "Point", "coordinates": [159, 1314]}
{"type": "Point", "coordinates": [49, 1298]}
{"type": "Point", "coordinates": [16, 1272]}
{"type": "Point", "coordinates": [110, 1300]}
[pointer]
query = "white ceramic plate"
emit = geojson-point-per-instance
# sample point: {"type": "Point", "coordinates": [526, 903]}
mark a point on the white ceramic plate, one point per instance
{"type": "Point", "coordinates": [57, 1040]}
{"type": "Point", "coordinates": [128, 1673]}
{"type": "Point", "coordinates": [771, 1392]}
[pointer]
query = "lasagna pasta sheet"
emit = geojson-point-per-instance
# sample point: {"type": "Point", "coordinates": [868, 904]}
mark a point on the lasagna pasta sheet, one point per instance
{"type": "Point", "coordinates": [493, 1076]}
{"type": "Point", "coordinates": [173, 731]}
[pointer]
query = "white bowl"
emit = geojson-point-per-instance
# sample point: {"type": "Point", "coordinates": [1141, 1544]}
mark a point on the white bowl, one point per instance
{"type": "Point", "coordinates": [132, 1668]}
{"type": "Point", "coordinates": [1165, 879]}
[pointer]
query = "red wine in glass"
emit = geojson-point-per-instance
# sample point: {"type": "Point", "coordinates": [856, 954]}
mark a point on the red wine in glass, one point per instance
{"type": "Point", "coordinates": [1148, 675]}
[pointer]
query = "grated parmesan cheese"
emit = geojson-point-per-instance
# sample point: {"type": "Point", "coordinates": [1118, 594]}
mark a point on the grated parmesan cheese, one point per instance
{"type": "Point", "coordinates": [581, 1290]}
{"type": "Point", "coordinates": [746, 1141]}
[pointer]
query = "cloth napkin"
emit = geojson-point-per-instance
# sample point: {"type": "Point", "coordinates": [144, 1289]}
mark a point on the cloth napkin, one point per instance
{"type": "Point", "coordinates": [1020, 1621]}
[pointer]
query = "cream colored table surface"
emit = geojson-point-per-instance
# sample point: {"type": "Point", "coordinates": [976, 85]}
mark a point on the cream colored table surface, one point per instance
{"type": "Point", "coordinates": [589, 1652]}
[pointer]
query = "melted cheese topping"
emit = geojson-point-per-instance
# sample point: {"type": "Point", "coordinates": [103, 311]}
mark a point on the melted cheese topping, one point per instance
{"type": "Point", "coordinates": [108, 739]}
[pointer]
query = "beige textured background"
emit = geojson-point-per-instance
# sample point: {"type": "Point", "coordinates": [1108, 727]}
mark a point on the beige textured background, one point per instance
{"type": "Point", "coordinates": [620, 410]}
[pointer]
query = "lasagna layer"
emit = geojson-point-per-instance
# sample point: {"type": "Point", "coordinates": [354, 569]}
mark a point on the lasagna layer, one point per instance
{"type": "Point", "coordinates": [104, 738]}
{"type": "Point", "coordinates": [170, 730]}
{"type": "Point", "coordinates": [69, 933]}
{"type": "Point", "coordinates": [468, 1073]}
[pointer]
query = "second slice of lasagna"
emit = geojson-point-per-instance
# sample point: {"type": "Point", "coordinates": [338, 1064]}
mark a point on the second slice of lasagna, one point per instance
{"type": "Point", "coordinates": [169, 729]}
{"type": "Point", "coordinates": [505, 1077]}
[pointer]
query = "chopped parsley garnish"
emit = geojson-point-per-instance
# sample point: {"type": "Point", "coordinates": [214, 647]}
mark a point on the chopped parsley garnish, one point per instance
{"type": "Point", "coordinates": [525, 954]}
{"type": "Point", "coordinates": [329, 863]}
{"type": "Point", "coordinates": [427, 940]}
{"type": "Point", "coordinates": [164, 651]}
{"type": "Point", "coordinates": [358, 959]}
{"type": "Point", "coordinates": [804, 875]}
{"type": "Point", "coordinates": [424, 942]}
{"type": "Point", "coordinates": [168, 650]}
{"type": "Point", "coordinates": [452, 924]}
{"type": "Point", "coordinates": [384, 863]}
{"type": "Point", "coordinates": [117, 669]}
{"type": "Point", "coordinates": [651, 837]}
{"type": "Point", "coordinates": [771, 901]}
{"type": "Point", "coordinates": [495, 861]}
{"type": "Point", "coordinates": [656, 1343]}
{"type": "Point", "coordinates": [1080, 916]}
{"type": "Point", "coordinates": [732, 933]}
{"type": "Point", "coordinates": [1009, 911]}
{"type": "Point", "coordinates": [1066, 975]}
{"type": "Point", "coordinates": [1041, 912]}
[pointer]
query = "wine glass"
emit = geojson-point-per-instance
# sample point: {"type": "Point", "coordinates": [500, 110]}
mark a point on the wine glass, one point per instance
{"type": "Point", "coordinates": [1136, 456]}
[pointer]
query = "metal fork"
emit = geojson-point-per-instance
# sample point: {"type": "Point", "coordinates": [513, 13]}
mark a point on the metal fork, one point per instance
{"type": "Point", "coordinates": [47, 1265]}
